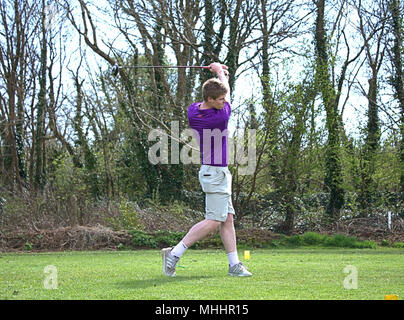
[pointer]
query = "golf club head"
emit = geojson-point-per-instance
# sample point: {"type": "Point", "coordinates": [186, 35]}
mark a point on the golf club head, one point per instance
{"type": "Point", "coordinates": [115, 70]}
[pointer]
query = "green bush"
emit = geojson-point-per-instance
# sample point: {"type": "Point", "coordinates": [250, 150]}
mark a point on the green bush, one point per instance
{"type": "Point", "coordinates": [143, 239]}
{"type": "Point", "coordinates": [385, 243]}
{"type": "Point", "coordinates": [28, 246]}
{"type": "Point", "coordinates": [161, 239]}
{"type": "Point", "coordinates": [339, 240]}
{"type": "Point", "coordinates": [294, 241]}
{"type": "Point", "coordinates": [365, 244]}
{"type": "Point", "coordinates": [312, 238]}
{"type": "Point", "coordinates": [128, 218]}
{"type": "Point", "coordinates": [316, 239]}
{"type": "Point", "coordinates": [342, 241]}
{"type": "Point", "coordinates": [168, 239]}
{"type": "Point", "coordinates": [155, 240]}
{"type": "Point", "coordinates": [398, 245]}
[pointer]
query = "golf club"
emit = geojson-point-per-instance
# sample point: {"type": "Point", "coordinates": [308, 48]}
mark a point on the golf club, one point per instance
{"type": "Point", "coordinates": [116, 67]}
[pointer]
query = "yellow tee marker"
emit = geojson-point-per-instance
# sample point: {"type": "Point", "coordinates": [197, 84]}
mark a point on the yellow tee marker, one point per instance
{"type": "Point", "coordinates": [391, 297]}
{"type": "Point", "coordinates": [247, 255]}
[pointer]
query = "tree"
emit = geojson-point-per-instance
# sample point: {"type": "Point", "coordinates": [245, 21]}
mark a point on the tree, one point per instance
{"type": "Point", "coordinates": [299, 102]}
{"type": "Point", "coordinates": [331, 90]}
{"type": "Point", "coordinates": [397, 77]}
{"type": "Point", "coordinates": [274, 23]}
{"type": "Point", "coordinates": [18, 76]}
{"type": "Point", "coordinates": [40, 151]}
{"type": "Point", "coordinates": [372, 28]}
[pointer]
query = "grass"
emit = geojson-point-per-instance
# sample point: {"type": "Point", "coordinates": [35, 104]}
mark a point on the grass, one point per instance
{"type": "Point", "coordinates": [303, 273]}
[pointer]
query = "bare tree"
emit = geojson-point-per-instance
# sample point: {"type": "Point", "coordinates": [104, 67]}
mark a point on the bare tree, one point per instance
{"type": "Point", "coordinates": [273, 23]}
{"type": "Point", "coordinates": [17, 70]}
{"type": "Point", "coordinates": [372, 28]}
{"type": "Point", "coordinates": [40, 152]}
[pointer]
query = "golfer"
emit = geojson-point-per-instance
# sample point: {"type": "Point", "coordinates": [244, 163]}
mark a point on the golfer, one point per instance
{"type": "Point", "coordinates": [209, 119]}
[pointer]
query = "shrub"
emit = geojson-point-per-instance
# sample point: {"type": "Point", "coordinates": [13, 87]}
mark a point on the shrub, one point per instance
{"type": "Point", "coordinates": [340, 240]}
{"type": "Point", "coordinates": [168, 239]}
{"type": "Point", "coordinates": [160, 239]}
{"type": "Point", "coordinates": [398, 245]}
{"type": "Point", "coordinates": [28, 246]}
{"type": "Point", "coordinates": [155, 240]}
{"type": "Point", "coordinates": [128, 218]}
{"type": "Point", "coordinates": [316, 239]}
{"type": "Point", "coordinates": [295, 240]}
{"type": "Point", "coordinates": [365, 244]}
{"type": "Point", "coordinates": [312, 238]}
{"type": "Point", "coordinates": [385, 243]}
{"type": "Point", "coordinates": [143, 239]}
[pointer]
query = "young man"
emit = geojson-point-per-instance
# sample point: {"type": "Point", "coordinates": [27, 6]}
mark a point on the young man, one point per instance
{"type": "Point", "coordinates": [209, 119]}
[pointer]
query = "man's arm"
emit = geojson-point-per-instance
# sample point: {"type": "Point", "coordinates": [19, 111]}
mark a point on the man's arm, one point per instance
{"type": "Point", "coordinates": [223, 75]}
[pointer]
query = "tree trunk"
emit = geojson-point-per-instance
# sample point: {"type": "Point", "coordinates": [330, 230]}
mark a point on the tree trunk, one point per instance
{"type": "Point", "coordinates": [370, 149]}
{"type": "Point", "coordinates": [398, 82]}
{"type": "Point", "coordinates": [333, 175]}
{"type": "Point", "coordinates": [40, 165]}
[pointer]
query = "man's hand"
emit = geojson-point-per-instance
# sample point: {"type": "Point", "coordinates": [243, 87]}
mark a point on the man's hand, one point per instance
{"type": "Point", "coordinates": [223, 74]}
{"type": "Point", "coordinates": [218, 68]}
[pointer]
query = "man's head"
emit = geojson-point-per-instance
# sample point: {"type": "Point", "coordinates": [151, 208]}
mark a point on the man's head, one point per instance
{"type": "Point", "coordinates": [214, 91]}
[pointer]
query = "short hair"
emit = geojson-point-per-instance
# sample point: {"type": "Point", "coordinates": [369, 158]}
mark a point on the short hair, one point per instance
{"type": "Point", "coordinates": [213, 88]}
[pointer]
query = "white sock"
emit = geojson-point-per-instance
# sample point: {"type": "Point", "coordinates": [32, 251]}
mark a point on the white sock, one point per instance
{"type": "Point", "coordinates": [179, 249]}
{"type": "Point", "coordinates": [233, 258]}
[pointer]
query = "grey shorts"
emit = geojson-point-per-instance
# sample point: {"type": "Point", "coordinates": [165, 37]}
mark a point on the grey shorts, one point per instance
{"type": "Point", "coordinates": [216, 183]}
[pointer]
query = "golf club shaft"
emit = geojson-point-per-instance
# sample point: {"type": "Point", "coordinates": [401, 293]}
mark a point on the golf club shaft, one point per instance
{"type": "Point", "coordinates": [166, 67]}
{"type": "Point", "coordinates": [116, 67]}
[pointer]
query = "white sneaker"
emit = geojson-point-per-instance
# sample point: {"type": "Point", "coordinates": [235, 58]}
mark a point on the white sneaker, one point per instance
{"type": "Point", "coordinates": [239, 270]}
{"type": "Point", "coordinates": [169, 262]}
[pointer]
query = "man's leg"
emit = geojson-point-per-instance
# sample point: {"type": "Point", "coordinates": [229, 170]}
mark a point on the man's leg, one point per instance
{"type": "Point", "coordinates": [228, 234]}
{"type": "Point", "coordinates": [200, 231]}
{"type": "Point", "coordinates": [196, 233]}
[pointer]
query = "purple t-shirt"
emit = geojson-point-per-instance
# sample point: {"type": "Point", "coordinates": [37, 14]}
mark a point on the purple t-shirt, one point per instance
{"type": "Point", "coordinates": [211, 126]}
